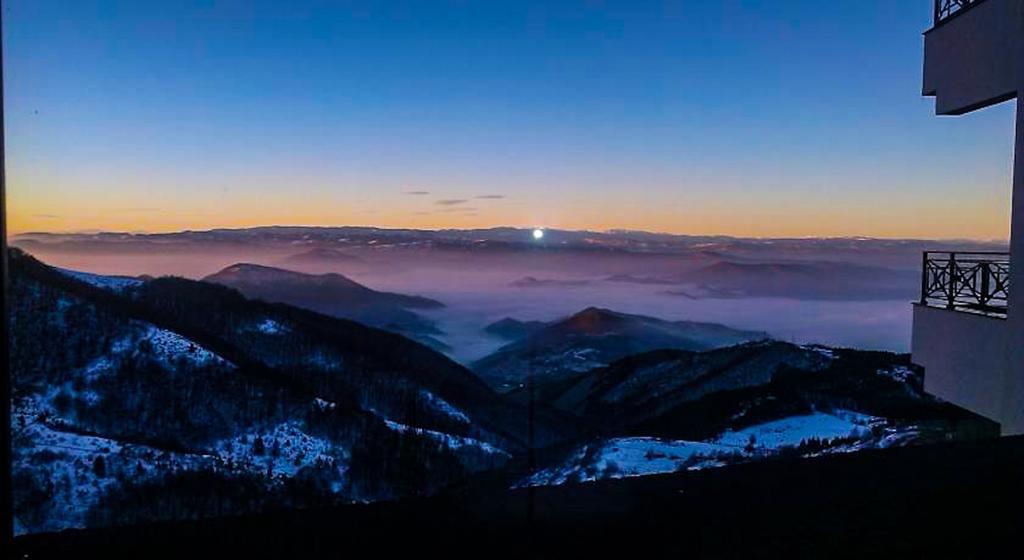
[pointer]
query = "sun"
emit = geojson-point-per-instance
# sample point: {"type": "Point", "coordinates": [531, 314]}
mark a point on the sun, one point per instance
{"type": "Point", "coordinates": [538, 233]}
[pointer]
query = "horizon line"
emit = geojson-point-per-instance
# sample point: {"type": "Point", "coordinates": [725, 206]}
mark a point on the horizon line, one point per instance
{"type": "Point", "coordinates": [1006, 241]}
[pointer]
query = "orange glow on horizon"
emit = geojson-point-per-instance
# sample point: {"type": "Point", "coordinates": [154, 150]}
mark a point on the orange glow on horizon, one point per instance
{"type": "Point", "coordinates": [885, 223]}
{"type": "Point", "coordinates": [65, 206]}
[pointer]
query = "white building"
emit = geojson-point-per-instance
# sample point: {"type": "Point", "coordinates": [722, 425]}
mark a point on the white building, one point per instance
{"type": "Point", "coordinates": [969, 323]}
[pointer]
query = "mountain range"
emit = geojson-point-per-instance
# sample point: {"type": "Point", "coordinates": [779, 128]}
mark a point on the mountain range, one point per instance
{"type": "Point", "coordinates": [146, 399]}
{"type": "Point", "coordinates": [816, 280]}
{"type": "Point", "coordinates": [511, 259]}
{"type": "Point", "coordinates": [513, 329]}
{"type": "Point", "coordinates": [133, 398]}
{"type": "Point", "coordinates": [669, 410]}
{"type": "Point", "coordinates": [593, 338]}
{"type": "Point", "coordinates": [303, 239]}
{"type": "Point", "coordinates": [336, 295]}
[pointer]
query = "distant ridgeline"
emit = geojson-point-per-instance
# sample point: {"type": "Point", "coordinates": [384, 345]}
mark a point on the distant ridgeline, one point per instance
{"type": "Point", "coordinates": [336, 295]}
{"type": "Point", "coordinates": [140, 399]}
{"type": "Point", "coordinates": [589, 339]}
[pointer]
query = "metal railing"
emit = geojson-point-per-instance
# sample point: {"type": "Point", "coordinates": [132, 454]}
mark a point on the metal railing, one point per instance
{"type": "Point", "coordinates": [966, 281]}
{"type": "Point", "coordinates": [945, 9]}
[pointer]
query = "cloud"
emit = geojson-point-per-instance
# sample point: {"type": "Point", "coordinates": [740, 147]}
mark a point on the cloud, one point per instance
{"type": "Point", "coordinates": [451, 201]}
{"type": "Point", "coordinates": [533, 282]}
{"type": "Point", "coordinates": [47, 216]}
{"type": "Point", "coordinates": [491, 196]}
{"type": "Point", "coordinates": [417, 193]}
{"type": "Point", "coordinates": [459, 210]}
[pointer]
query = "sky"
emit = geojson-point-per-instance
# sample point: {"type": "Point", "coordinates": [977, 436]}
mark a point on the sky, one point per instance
{"type": "Point", "coordinates": [746, 118]}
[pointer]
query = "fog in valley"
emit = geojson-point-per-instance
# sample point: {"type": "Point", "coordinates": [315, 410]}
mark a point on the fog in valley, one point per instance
{"type": "Point", "coordinates": [839, 292]}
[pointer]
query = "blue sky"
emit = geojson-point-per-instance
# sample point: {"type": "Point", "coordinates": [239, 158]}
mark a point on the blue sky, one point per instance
{"type": "Point", "coordinates": [737, 117]}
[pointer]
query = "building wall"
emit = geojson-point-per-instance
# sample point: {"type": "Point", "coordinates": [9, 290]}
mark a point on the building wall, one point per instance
{"type": "Point", "coordinates": [1013, 382]}
{"type": "Point", "coordinates": [971, 61]}
{"type": "Point", "coordinates": [964, 356]}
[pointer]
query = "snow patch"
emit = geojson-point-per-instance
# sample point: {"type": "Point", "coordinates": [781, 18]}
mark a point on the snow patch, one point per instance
{"type": "Point", "coordinates": [445, 407]}
{"type": "Point", "coordinates": [902, 374]}
{"type": "Point", "coordinates": [170, 347]}
{"type": "Point", "coordinates": [112, 283]}
{"type": "Point", "coordinates": [793, 430]}
{"type": "Point", "coordinates": [322, 404]}
{"type": "Point", "coordinates": [451, 441]}
{"type": "Point", "coordinates": [822, 350]}
{"type": "Point", "coordinates": [77, 470]}
{"type": "Point", "coordinates": [281, 451]}
{"type": "Point", "coordinates": [579, 359]}
{"type": "Point", "coordinates": [629, 457]}
{"type": "Point", "coordinates": [271, 327]}
{"type": "Point", "coordinates": [97, 368]}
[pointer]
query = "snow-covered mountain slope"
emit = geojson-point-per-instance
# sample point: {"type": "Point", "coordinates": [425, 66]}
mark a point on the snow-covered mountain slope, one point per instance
{"type": "Point", "coordinates": [695, 395]}
{"type": "Point", "coordinates": [146, 390]}
{"type": "Point", "coordinates": [113, 283]}
{"type": "Point", "coordinates": [819, 433]}
{"type": "Point", "coordinates": [623, 457]}
{"type": "Point", "coordinates": [167, 398]}
{"type": "Point", "coordinates": [670, 410]}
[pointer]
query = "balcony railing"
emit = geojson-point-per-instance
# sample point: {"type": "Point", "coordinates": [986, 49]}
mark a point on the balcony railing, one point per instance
{"type": "Point", "coordinates": [945, 9]}
{"type": "Point", "coordinates": [977, 282]}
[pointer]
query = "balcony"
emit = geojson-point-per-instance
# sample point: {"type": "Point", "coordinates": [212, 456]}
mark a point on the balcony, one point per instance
{"type": "Point", "coordinates": [946, 9]}
{"type": "Point", "coordinates": [961, 336]}
{"type": "Point", "coordinates": [970, 54]}
{"type": "Point", "coordinates": [973, 282]}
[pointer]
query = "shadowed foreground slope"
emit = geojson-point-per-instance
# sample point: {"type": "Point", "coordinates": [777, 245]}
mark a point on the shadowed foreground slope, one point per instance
{"type": "Point", "coordinates": [949, 500]}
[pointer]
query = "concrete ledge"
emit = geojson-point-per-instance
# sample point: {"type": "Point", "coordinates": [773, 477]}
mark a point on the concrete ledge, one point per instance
{"type": "Point", "coordinates": [964, 355]}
